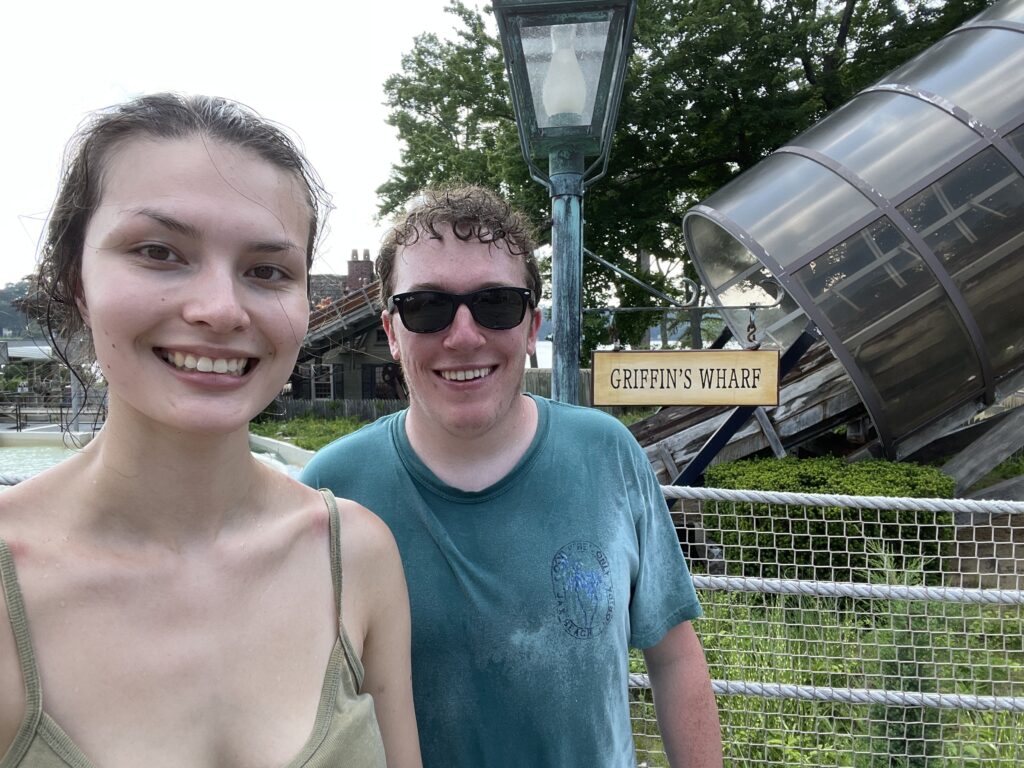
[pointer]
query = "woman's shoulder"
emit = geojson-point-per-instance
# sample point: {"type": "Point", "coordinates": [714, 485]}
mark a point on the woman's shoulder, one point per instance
{"type": "Point", "coordinates": [375, 590]}
{"type": "Point", "coordinates": [363, 532]}
{"type": "Point", "coordinates": [369, 554]}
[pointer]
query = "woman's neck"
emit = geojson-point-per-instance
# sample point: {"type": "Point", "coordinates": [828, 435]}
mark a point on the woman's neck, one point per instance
{"type": "Point", "coordinates": [146, 481]}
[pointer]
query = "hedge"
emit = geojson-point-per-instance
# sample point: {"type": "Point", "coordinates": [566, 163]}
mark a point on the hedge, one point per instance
{"type": "Point", "coordinates": [825, 543]}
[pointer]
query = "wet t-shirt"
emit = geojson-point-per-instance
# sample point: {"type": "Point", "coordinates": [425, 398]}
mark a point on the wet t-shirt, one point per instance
{"type": "Point", "coordinates": [525, 596]}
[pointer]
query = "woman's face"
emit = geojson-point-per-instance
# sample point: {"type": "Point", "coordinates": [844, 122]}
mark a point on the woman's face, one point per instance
{"type": "Point", "coordinates": [194, 282]}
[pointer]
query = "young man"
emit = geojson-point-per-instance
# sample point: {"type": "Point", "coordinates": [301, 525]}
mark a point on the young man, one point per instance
{"type": "Point", "coordinates": [535, 538]}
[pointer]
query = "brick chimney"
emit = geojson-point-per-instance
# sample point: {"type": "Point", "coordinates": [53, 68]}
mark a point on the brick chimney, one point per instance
{"type": "Point", "coordinates": [360, 271]}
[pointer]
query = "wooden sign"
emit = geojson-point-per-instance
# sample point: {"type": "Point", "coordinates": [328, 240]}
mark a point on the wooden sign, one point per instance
{"type": "Point", "coordinates": [688, 377]}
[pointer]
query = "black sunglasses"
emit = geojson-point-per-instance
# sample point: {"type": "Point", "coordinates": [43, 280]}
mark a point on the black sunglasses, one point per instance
{"type": "Point", "coordinates": [430, 311]}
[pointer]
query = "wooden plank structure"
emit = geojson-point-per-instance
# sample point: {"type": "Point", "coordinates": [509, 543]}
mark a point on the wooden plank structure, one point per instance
{"type": "Point", "coordinates": [338, 321]}
{"type": "Point", "coordinates": [814, 398]}
{"type": "Point", "coordinates": [997, 444]}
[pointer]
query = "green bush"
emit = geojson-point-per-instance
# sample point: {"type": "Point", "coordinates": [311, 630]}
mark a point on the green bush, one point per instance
{"type": "Point", "coordinates": [833, 475]}
{"type": "Point", "coordinates": [824, 543]}
{"type": "Point", "coordinates": [307, 432]}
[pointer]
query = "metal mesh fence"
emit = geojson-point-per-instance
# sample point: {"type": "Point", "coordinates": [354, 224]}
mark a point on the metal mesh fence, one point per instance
{"type": "Point", "coordinates": [855, 631]}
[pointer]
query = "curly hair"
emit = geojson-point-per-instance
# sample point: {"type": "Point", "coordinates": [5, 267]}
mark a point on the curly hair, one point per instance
{"type": "Point", "coordinates": [158, 116]}
{"type": "Point", "coordinates": [471, 213]}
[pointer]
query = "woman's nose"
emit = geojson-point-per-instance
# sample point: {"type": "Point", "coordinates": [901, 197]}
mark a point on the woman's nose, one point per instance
{"type": "Point", "coordinates": [216, 300]}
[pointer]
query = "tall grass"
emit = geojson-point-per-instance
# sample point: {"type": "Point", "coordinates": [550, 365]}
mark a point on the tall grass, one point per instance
{"type": "Point", "coordinates": [907, 646]}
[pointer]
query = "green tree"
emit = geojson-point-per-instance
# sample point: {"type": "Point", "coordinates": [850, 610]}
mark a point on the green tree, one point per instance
{"type": "Point", "coordinates": [713, 87]}
{"type": "Point", "coordinates": [451, 108]}
{"type": "Point", "coordinates": [11, 317]}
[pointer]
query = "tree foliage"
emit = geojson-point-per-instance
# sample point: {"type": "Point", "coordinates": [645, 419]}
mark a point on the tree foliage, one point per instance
{"type": "Point", "coordinates": [451, 108]}
{"type": "Point", "coordinates": [713, 87]}
{"type": "Point", "coordinates": [12, 318]}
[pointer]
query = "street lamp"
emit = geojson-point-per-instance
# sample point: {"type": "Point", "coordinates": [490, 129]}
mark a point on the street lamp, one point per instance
{"type": "Point", "coordinates": [566, 62]}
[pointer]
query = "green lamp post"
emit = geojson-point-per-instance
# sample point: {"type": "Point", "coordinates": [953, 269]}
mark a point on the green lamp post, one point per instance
{"type": "Point", "coordinates": [566, 63]}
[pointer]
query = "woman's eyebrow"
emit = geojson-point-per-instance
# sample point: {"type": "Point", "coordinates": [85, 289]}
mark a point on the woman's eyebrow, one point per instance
{"type": "Point", "coordinates": [169, 222]}
{"type": "Point", "coordinates": [191, 231]}
{"type": "Point", "coordinates": [274, 246]}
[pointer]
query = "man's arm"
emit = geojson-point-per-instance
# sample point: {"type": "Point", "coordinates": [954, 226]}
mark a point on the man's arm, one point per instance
{"type": "Point", "coordinates": [683, 699]}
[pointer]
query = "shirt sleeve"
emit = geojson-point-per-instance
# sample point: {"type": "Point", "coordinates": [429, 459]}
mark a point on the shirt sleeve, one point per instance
{"type": "Point", "coordinates": [663, 594]}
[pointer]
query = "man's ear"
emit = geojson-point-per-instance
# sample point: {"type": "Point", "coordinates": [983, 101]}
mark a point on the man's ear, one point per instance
{"type": "Point", "coordinates": [386, 318]}
{"type": "Point", "coordinates": [531, 340]}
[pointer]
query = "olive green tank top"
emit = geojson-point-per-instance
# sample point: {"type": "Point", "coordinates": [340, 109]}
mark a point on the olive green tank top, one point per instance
{"type": "Point", "coordinates": [345, 731]}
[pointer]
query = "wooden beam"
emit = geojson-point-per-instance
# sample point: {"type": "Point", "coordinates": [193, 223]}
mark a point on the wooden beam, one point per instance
{"type": "Point", "coordinates": [769, 433]}
{"type": "Point", "coordinates": [988, 451]}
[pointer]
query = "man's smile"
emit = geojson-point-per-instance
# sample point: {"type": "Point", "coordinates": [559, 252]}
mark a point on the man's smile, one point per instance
{"type": "Point", "coordinates": [467, 375]}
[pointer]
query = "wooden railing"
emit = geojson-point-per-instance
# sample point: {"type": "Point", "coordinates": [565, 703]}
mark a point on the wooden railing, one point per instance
{"type": "Point", "coordinates": [356, 303]}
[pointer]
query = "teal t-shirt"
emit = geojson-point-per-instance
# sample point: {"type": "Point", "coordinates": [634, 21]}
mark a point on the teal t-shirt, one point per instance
{"type": "Point", "coordinates": [526, 595]}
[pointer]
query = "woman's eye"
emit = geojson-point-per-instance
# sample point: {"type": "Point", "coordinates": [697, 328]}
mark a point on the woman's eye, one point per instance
{"type": "Point", "coordinates": [268, 272]}
{"type": "Point", "coordinates": [158, 253]}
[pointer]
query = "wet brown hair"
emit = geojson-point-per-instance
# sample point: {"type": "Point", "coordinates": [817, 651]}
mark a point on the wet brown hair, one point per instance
{"type": "Point", "coordinates": [155, 116]}
{"type": "Point", "coordinates": [471, 213]}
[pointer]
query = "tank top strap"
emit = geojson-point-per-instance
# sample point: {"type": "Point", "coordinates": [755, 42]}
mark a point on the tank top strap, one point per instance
{"type": "Point", "coordinates": [354, 663]}
{"type": "Point", "coordinates": [335, 532]}
{"type": "Point", "coordinates": [26, 655]}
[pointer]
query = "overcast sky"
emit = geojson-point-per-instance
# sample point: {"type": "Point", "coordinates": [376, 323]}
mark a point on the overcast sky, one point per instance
{"type": "Point", "coordinates": [317, 66]}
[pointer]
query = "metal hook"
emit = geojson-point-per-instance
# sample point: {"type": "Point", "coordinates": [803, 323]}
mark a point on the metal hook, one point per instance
{"type": "Point", "coordinates": [752, 329]}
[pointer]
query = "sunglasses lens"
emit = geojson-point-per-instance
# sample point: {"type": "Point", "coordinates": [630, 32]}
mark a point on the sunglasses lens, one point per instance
{"type": "Point", "coordinates": [430, 311]}
{"type": "Point", "coordinates": [427, 311]}
{"type": "Point", "coordinates": [498, 308]}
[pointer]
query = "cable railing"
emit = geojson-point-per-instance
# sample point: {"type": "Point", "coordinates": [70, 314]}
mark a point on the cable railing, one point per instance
{"type": "Point", "coordinates": [855, 630]}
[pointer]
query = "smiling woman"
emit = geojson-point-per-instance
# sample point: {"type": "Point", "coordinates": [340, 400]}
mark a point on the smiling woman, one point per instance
{"type": "Point", "coordinates": [202, 260]}
{"type": "Point", "coordinates": [179, 246]}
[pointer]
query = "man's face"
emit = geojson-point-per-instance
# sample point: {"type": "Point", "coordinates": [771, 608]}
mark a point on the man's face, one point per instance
{"type": "Point", "coordinates": [464, 379]}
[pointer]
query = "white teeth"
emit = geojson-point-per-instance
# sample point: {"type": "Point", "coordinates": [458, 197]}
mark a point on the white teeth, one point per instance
{"type": "Point", "coordinates": [475, 373]}
{"type": "Point", "coordinates": [231, 365]}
